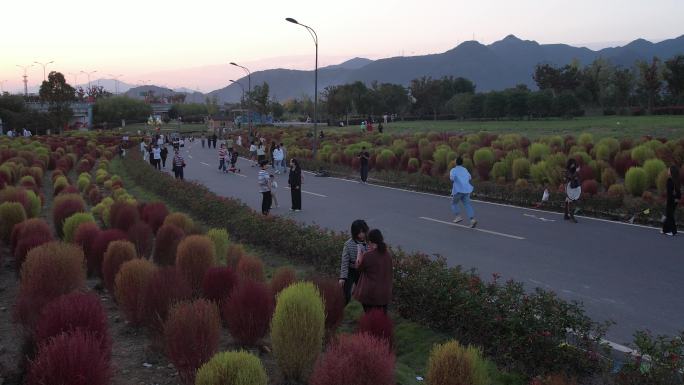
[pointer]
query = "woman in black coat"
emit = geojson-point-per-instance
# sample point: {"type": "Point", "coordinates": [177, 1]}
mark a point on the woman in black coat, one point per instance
{"type": "Point", "coordinates": [674, 194]}
{"type": "Point", "coordinates": [295, 181]}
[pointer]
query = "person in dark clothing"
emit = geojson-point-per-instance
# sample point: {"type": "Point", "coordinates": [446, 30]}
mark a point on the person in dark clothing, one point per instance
{"type": "Point", "coordinates": [374, 289]}
{"type": "Point", "coordinates": [364, 156]}
{"type": "Point", "coordinates": [349, 276]}
{"type": "Point", "coordinates": [213, 139]}
{"type": "Point", "coordinates": [674, 194]}
{"type": "Point", "coordinates": [178, 164]}
{"type": "Point", "coordinates": [270, 154]}
{"type": "Point", "coordinates": [295, 181]}
{"type": "Point", "coordinates": [573, 184]}
{"type": "Point", "coordinates": [164, 155]}
{"type": "Point", "coordinates": [380, 128]}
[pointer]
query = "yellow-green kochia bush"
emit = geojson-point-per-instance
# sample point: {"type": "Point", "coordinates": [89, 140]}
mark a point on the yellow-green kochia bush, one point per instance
{"type": "Point", "coordinates": [636, 181]}
{"type": "Point", "coordinates": [297, 330]}
{"type": "Point", "coordinates": [11, 213]}
{"type": "Point", "coordinates": [451, 363]}
{"type": "Point", "coordinates": [232, 368]}
{"type": "Point", "coordinates": [221, 241]}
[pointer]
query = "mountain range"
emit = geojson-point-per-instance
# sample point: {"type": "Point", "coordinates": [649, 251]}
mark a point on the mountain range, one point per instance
{"type": "Point", "coordinates": [496, 66]}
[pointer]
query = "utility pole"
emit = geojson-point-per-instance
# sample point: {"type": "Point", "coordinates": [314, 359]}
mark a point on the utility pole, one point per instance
{"type": "Point", "coordinates": [25, 68]}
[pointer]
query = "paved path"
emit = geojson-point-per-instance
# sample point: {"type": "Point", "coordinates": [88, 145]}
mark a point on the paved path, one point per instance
{"type": "Point", "coordinates": [627, 273]}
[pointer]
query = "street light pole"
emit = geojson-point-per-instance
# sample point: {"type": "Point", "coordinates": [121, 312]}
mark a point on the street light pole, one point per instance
{"type": "Point", "coordinates": [2, 86]}
{"type": "Point", "coordinates": [75, 75]}
{"type": "Point", "coordinates": [88, 74]}
{"type": "Point", "coordinates": [249, 86]}
{"type": "Point", "coordinates": [243, 92]}
{"type": "Point", "coordinates": [315, 39]}
{"type": "Point", "coordinates": [44, 66]}
{"type": "Point", "coordinates": [25, 68]}
{"type": "Point", "coordinates": [116, 82]}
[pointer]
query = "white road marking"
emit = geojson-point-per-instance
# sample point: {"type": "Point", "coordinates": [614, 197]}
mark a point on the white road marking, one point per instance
{"type": "Point", "coordinates": [206, 164]}
{"type": "Point", "coordinates": [540, 218]}
{"type": "Point", "coordinates": [475, 229]}
{"type": "Point", "coordinates": [190, 156]}
{"type": "Point", "coordinates": [310, 193]}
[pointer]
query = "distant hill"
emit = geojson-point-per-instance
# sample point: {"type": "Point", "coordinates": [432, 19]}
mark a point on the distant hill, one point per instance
{"type": "Point", "coordinates": [499, 65]}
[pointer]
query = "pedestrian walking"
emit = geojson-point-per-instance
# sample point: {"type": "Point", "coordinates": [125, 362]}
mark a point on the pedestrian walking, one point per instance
{"type": "Point", "coordinates": [264, 181]}
{"type": "Point", "coordinates": [178, 164]}
{"type": "Point", "coordinates": [674, 194]}
{"type": "Point", "coordinates": [274, 189]}
{"type": "Point", "coordinates": [460, 192]}
{"type": "Point", "coordinates": [294, 179]}
{"type": "Point", "coordinates": [229, 147]}
{"type": "Point", "coordinates": [282, 147]}
{"type": "Point", "coordinates": [349, 276]}
{"type": "Point", "coordinates": [261, 153]}
{"type": "Point", "coordinates": [156, 153]}
{"type": "Point", "coordinates": [203, 139]}
{"type": "Point", "coordinates": [238, 141]}
{"type": "Point", "coordinates": [364, 156]}
{"type": "Point", "coordinates": [253, 153]}
{"type": "Point", "coordinates": [164, 155]}
{"type": "Point", "coordinates": [278, 160]}
{"type": "Point", "coordinates": [374, 289]}
{"type": "Point", "coordinates": [213, 140]}
{"type": "Point", "coordinates": [222, 154]}
{"type": "Point", "coordinates": [573, 189]}
{"type": "Point", "coordinates": [271, 149]}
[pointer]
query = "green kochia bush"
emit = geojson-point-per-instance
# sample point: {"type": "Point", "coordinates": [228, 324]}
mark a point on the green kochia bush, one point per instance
{"type": "Point", "coordinates": [538, 151]}
{"type": "Point", "coordinates": [232, 368]}
{"type": "Point", "coordinates": [297, 330]}
{"type": "Point", "coordinates": [636, 181]}
{"type": "Point", "coordinates": [72, 223]}
{"type": "Point", "coordinates": [11, 213]}
{"type": "Point", "coordinates": [653, 167]}
{"type": "Point", "coordinates": [521, 168]}
{"type": "Point", "coordinates": [642, 153]}
{"type": "Point", "coordinates": [451, 363]}
{"type": "Point", "coordinates": [221, 240]}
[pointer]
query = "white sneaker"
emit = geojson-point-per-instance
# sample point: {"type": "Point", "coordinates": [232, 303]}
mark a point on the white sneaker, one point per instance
{"type": "Point", "coordinates": [458, 219]}
{"type": "Point", "coordinates": [670, 234]}
{"type": "Point", "coordinates": [473, 223]}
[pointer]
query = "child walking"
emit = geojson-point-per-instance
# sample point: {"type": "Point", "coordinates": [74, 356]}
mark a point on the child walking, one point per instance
{"type": "Point", "coordinates": [274, 187]}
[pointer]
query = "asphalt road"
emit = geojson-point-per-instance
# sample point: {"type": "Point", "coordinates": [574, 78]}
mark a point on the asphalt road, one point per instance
{"type": "Point", "coordinates": [630, 274]}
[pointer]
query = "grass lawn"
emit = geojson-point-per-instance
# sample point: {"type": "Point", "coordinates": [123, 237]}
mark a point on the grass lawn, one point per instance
{"type": "Point", "coordinates": [599, 126]}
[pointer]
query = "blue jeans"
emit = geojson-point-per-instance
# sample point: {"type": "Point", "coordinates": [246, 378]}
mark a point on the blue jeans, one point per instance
{"type": "Point", "coordinates": [465, 199]}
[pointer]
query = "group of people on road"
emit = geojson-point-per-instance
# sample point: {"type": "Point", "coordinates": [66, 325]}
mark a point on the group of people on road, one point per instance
{"type": "Point", "coordinates": [14, 133]}
{"type": "Point", "coordinates": [268, 186]}
{"type": "Point", "coordinates": [211, 140]}
{"type": "Point", "coordinates": [156, 152]}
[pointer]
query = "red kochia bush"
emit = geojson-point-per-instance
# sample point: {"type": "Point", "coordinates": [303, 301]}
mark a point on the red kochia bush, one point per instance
{"type": "Point", "coordinates": [154, 214]}
{"type": "Point", "coordinates": [29, 226]}
{"type": "Point", "coordinates": [123, 215]}
{"type": "Point", "coordinates": [142, 237]}
{"type": "Point", "coordinates": [194, 256]}
{"type": "Point", "coordinates": [218, 283]}
{"type": "Point", "coordinates": [333, 300]}
{"type": "Point", "coordinates": [99, 247]}
{"type": "Point", "coordinates": [70, 358]}
{"type": "Point", "coordinates": [378, 324]}
{"type": "Point", "coordinates": [117, 253]}
{"type": "Point", "coordinates": [590, 187]}
{"type": "Point", "coordinates": [71, 312]}
{"type": "Point", "coordinates": [358, 359]}
{"type": "Point", "coordinates": [26, 244]}
{"type": "Point", "coordinates": [283, 277]}
{"type": "Point", "coordinates": [64, 207]}
{"type": "Point", "coordinates": [166, 243]}
{"type": "Point", "coordinates": [191, 336]}
{"type": "Point", "coordinates": [251, 267]}
{"type": "Point", "coordinates": [164, 288]}
{"type": "Point", "coordinates": [85, 236]}
{"type": "Point", "coordinates": [248, 312]}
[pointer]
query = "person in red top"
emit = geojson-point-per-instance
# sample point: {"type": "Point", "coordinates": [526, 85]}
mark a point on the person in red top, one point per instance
{"type": "Point", "coordinates": [374, 289]}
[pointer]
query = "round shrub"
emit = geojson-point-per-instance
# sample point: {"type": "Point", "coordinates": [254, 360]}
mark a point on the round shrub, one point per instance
{"type": "Point", "coordinates": [642, 153]}
{"type": "Point", "coordinates": [608, 177]}
{"type": "Point", "coordinates": [123, 215]}
{"type": "Point", "coordinates": [218, 283]}
{"type": "Point", "coordinates": [538, 172]}
{"type": "Point", "coordinates": [221, 240]}
{"type": "Point", "coordinates": [251, 267]}
{"type": "Point", "coordinates": [72, 312]}
{"type": "Point", "coordinates": [26, 228]}
{"type": "Point", "coordinates": [130, 283]}
{"type": "Point", "coordinates": [166, 243]}
{"type": "Point", "coordinates": [73, 222]}
{"type": "Point", "coordinates": [616, 190]}
{"type": "Point", "coordinates": [653, 167]}
{"type": "Point", "coordinates": [234, 254]}
{"type": "Point", "coordinates": [500, 170]}
{"type": "Point", "coordinates": [154, 214]}
{"type": "Point", "coordinates": [521, 168]}
{"type": "Point", "coordinates": [85, 236]}
{"type": "Point", "coordinates": [590, 187]}
{"type": "Point", "coordinates": [661, 182]}
{"type": "Point", "coordinates": [35, 203]}
{"type": "Point", "coordinates": [483, 159]}
{"type": "Point", "coordinates": [451, 363]}
{"type": "Point", "coordinates": [118, 252]}
{"type": "Point", "coordinates": [248, 312]}
{"type": "Point", "coordinates": [11, 214]}
{"type": "Point", "coordinates": [636, 181]}
{"type": "Point", "coordinates": [378, 324]}
{"type": "Point", "coordinates": [140, 234]}
{"type": "Point", "coordinates": [191, 336]}
{"type": "Point", "coordinates": [297, 330]}
{"type": "Point", "coordinates": [99, 247]}
{"type": "Point", "coordinates": [16, 194]}
{"type": "Point", "coordinates": [586, 140]}
{"type": "Point", "coordinates": [70, 358]}
{"type": "Point", "coordinates": [538, 151]}
{"type": "Point", "coordinates": [333, 302]}
{"type": "Point", "coordinates": [165, 287]}
{"type": "Point", "coordinates": [65, 206]}
{"type": "Point", "coordinates": [283, 277]}
{"type": "Point", "coordinates": [194, 256]}
{"type": "Point", "coordinates": [386, 160]}
{"type": "Point", "coordinates": [181, 221]}
{"type": "Point", "coordinates": [413, 165]}
{"type": "Point", "coordinates": [232, 368]}
{"type": "Point", "coordinates": [358, 359]}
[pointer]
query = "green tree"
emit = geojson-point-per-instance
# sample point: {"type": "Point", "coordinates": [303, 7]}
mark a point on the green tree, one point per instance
{"type": "Point", "coordinates": [495, 105]}
{"type": "Point", "coordinates": [540, 103]}
{"type": "Point", "coordinates": [622, 86]}
{"type": "Point", "coordinates": [259, 98]}
{"type": "Point", "coordinates": [390, 98]}
{"type": "Point", "coordinates": [594, 82]}
{"type": "Point", "coordinates": [518, 102]}
{"type": "Point", "coordinates": [650, 81]}
{"type": "Point", "coordinates": [58, 94]}
{"type": "Point", "coordinates": [674, 77]}
{"type": "Point", "coordinates": [428, 94]}
{"type": "Point", "coordinates": [276, 109]}
{"type": "Point", "coordinates": [116, 108]}
{"type": "Point", "coordinates": [460, 105]}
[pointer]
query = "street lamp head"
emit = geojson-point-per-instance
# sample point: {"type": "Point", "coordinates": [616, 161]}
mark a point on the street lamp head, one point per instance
{"type": "Point", "coordinates": [232, 81]}
{"type": "Point", "coordinates": [234, 64]}
{"type": "Point", "coordinates": [291, 20]}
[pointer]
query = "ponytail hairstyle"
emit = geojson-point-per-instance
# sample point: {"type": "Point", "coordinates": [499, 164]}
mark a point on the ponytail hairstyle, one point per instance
{"type": "Point", "coordinates": [571, 165]}
{"type": "Point", "coordinates": [674, 173]}
{"type": "Point", "coordinates": [375, 236]}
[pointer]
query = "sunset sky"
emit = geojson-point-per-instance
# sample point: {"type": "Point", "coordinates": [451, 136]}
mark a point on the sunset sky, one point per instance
{"type": "Point", "coordinates": [189, 43]}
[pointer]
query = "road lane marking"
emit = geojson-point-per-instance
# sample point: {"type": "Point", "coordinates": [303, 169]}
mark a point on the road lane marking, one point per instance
{"type": "Point", "coordinates": [475, 229]}
{"type": "Point", "coordinates": [539, 218]}
{"type": "Point", "coordinates": [310, 193]}
{"type": "Point", "coordinates": [206, 164]}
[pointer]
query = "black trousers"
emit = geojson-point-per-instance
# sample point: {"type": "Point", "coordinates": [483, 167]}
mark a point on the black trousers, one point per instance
{"type": "Point", "coordinates": [364, 173]}
{"type": "Point", "coordinates": [352, 279]}
{"type": "Point", "coordinates": [670, 226]}
{"type": "Point", "coordinates": [266, 201]}
{"type": "Point", "coordinates": [296, 194]}
{"type": "Point", "coordinates": [157, 164]}
{"type": "Point", "coordinates": [178, 172]}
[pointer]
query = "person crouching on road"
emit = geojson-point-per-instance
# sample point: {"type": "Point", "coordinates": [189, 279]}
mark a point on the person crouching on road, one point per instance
{"type": "Point", "coordinates": [374, 289]}
{"type": "Point", "coordinates": [349, 276]}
